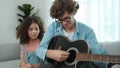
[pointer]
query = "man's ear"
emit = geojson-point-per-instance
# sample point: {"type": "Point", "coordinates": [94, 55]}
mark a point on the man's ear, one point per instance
{"type": "Point", "coordinates": [74, 13]}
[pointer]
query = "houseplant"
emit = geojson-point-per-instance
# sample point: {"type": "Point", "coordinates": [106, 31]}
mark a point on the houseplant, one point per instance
{"type": "Point", "coordinates": [26, 9]}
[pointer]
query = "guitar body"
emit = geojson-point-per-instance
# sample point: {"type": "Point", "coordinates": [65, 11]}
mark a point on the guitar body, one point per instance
{"type": "Point", "coordinates": [79, 52]}
{"type": "Point", "coordinates": [79, 46]}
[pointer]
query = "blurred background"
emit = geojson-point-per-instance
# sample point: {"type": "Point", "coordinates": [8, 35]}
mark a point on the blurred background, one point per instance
{"type": "Point", "coordinates": [102, 15]}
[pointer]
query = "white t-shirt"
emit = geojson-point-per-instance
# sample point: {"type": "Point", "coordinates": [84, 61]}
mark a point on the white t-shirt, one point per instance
{"type": "Point", "coordinates": [69, 35]}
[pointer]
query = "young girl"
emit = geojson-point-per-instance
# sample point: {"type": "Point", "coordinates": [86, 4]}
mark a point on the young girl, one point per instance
{"type": "Point", "coordinates": [30, 34]}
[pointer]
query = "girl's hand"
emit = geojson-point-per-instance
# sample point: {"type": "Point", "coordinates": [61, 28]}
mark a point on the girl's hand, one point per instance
{"type": "Point", "coordinates": [27, 66]}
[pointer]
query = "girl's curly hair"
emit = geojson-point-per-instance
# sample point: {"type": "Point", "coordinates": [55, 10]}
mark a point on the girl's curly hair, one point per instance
{"type": "Point", "coordinates": [22, 32]}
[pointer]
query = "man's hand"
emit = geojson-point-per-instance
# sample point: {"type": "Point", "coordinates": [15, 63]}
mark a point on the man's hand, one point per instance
{"type": "Point", "coordinates": [57, 55]}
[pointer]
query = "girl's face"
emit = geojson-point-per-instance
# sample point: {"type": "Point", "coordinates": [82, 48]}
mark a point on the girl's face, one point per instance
{"type": "Point", "coordinates": [33, 31]}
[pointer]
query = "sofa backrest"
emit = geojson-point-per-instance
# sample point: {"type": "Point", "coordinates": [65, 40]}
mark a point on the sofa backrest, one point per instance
{"type": "Point", "coordinates": [112, 48]}
{"type": "Point", "coordinates": [12, 51]}
{"type": "Point", "coordinates": [9, 51]}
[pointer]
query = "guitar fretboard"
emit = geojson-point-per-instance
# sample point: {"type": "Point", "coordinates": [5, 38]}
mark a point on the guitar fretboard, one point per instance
{"type": "Point", "coordinates": [96, 57]}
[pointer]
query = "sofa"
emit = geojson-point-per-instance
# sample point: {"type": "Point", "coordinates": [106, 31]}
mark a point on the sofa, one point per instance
{"type": "Point", "coordinates": [10, 53]}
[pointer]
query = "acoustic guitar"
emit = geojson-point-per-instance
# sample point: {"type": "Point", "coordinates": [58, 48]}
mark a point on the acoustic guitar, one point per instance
{"type": "Point", "coordinates": [79, 52]}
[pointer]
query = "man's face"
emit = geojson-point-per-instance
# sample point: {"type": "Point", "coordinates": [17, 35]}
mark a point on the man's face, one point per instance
{"type": "Point", "coordinates": [67, 20]}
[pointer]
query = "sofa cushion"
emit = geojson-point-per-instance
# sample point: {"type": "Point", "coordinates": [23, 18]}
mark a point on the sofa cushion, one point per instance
{"type": "Point", "coordinates": [10, 64]}
{"type": "Point", "coordinates": [9, 51]}
{"type": "Point", "coordinates": [116, 66]}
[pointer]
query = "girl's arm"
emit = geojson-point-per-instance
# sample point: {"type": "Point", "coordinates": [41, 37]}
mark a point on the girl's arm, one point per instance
{"type": "Point", "coordinates": [22, 56]}
{"type": "Point", "coordinates": [23, 62]}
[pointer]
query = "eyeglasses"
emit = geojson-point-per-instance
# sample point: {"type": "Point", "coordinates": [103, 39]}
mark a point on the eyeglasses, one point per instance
{"type": "Point", "coordinates": [66, 19]}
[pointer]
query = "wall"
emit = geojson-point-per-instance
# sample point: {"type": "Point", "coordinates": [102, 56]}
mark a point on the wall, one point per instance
{"type": "Point", "coordinates": [8, 17]}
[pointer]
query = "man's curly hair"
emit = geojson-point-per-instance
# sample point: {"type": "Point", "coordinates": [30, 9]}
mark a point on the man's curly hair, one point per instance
{"type": "Point", "coordinates": [60, 6]}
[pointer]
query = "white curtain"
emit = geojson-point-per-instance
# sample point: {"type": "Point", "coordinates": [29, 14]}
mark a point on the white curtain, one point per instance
{"type": "Point", "coordinates": [103, 16]}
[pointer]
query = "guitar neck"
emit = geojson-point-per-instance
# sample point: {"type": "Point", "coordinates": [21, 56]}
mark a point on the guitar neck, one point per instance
{"type": "Point", "coordinates": [96, 57]}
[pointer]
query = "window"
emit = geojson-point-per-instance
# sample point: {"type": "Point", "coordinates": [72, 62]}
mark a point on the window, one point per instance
{"type": "Point", "coordinates": [103, 16]}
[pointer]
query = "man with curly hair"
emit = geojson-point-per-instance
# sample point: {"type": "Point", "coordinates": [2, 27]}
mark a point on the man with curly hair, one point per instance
{"type": "Point", "coordinates": [63, 11]}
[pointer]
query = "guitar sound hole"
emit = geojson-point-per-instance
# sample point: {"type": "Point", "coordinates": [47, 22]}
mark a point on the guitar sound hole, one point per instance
{"type": "Point", "coordinates": [71, 57]}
